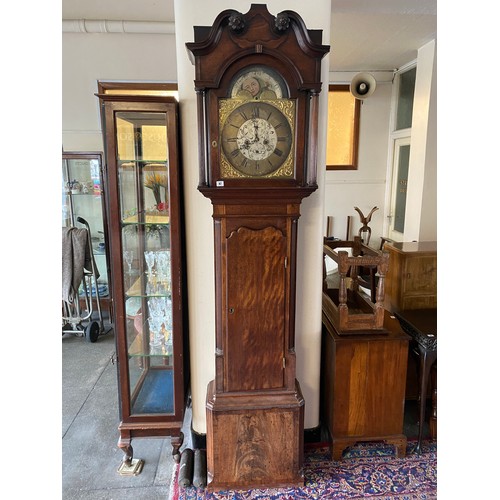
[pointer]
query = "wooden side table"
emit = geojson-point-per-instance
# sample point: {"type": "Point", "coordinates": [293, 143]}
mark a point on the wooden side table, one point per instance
{"type": "Point", "coordinates": [363, 386]}
{"type": "Point", "coordinates": [421, 326]}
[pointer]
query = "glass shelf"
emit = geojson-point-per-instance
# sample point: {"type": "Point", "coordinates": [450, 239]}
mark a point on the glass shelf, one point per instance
{"type": "Point", "coordinates": [136, 289]}
{"type": "Point", "coordinates": [136, 349]}
{"type": "Point", "coordinates": [148, 219]}
{"type": "Point", "coordinates": [79, 193]}
{"type": "Point", "coordinates": [151, 163]}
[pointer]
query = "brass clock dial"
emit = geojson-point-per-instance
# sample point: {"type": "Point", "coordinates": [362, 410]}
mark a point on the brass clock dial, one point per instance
{"type": "Point", "coordinates": [257, 138]}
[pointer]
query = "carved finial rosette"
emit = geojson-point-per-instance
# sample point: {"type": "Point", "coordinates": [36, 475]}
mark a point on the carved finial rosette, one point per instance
{"type": "Point", "coordinates": [281, 22]}
{"type": "Point", "coordinates": [236, 22]}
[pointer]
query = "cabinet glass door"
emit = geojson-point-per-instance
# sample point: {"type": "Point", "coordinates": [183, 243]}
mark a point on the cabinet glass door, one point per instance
{"type": "Point", "coordinates": [82, 197]}
{"type": "Point", "coordinates": [143, 174]}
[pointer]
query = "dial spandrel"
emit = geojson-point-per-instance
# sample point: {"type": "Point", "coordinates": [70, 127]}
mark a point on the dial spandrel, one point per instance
{"type": "Point", "coordinates": [256, 138]}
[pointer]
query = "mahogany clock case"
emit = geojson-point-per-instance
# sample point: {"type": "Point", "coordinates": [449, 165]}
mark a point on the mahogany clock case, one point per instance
{"type": "Point", "coordinates": [258, 79]}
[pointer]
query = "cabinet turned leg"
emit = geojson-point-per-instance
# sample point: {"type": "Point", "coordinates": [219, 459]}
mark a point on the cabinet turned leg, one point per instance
{"type": "Point", "coordinates": [176, 444]}
{"type": "Point", "coordinates": [427, 359]}
{"type": "Point", "coordinates": [126, 447]}
{"type": "Point", "coordinates": [433, 419]}
{"type": "Point", "coordinates": [130, 466]}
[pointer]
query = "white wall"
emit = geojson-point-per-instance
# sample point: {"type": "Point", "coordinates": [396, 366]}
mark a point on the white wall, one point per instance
{"type": "Point", "coordinates": [428, 215]}
{"type": "Point", "coordinates": [365, 187]}
{"type": "Point", "coordinates": [369, 185]}
{"type": "Point", "coordinates": [87, 58]}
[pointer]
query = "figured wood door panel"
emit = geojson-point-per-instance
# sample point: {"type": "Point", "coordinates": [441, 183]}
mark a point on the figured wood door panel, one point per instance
{"type": "Point", "coordinates": [255, 331]}
{"type": "Point", "coordinates": [421, 274]}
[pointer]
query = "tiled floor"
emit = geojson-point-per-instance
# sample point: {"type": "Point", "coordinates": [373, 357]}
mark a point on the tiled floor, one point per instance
{"type": "Point", "coordinates": [90, 456]}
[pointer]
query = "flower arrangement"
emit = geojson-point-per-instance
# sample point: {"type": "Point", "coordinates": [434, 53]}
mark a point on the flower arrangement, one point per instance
{"type": "Point", "coordinates": [154, 181]}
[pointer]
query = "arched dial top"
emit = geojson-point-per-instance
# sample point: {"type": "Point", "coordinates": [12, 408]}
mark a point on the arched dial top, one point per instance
{"type": "Point", "coordinates": [256, 138]}
{"type": "Point", "coordinates": [258, 82]}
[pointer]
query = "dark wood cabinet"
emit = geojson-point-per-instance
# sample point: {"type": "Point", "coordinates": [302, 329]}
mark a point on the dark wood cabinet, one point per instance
{"type": "Point", "coordinates": [143, 182]}
{"type": "Point", "coordinates": [363, 386]}
{"type": "Point", "coordinates": [411, 281]}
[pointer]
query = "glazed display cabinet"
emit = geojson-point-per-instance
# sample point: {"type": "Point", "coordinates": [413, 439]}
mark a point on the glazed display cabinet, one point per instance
{"type": "Point", "coordinates": [83, 197]}
{"type": "Point", "coordinates": [146, 258]}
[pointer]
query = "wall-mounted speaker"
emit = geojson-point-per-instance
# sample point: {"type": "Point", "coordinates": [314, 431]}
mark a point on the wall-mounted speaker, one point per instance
{"type": "Point", "coordinates": [363, 85]}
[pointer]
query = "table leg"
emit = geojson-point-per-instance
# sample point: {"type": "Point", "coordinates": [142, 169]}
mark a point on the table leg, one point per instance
{"type": "Point", "coordinates": [426, 361]}
{"type": "Point", "coordinates": [433, 420]}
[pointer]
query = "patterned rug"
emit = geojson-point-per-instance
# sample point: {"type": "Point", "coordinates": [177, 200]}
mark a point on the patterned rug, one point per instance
{"type": "Point", "coordinates": [367, 470]}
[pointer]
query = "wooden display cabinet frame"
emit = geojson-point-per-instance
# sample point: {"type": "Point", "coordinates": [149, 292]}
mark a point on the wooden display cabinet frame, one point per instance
{"type": "Point", "coordinates": [137, 424]}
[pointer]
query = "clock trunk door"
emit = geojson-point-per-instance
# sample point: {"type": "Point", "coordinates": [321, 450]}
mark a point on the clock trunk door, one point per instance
{"type": "Point", "coordinates": [255, 333]}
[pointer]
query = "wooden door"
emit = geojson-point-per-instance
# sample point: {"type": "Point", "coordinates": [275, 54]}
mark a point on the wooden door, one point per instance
{"type": "Point", "coordinates": [255, 329]}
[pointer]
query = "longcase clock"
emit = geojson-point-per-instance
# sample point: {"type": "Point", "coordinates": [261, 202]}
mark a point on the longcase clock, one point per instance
{"type": "Point", "coordinates": [257, 81]}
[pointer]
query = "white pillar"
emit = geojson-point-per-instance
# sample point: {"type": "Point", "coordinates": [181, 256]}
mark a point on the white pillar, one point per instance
{"type": "Point", "coordinates": [199, 225]}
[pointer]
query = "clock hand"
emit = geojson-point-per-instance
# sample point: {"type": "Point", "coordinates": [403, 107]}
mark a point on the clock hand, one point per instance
{"type": "Point", "coordinates": [256, 127]}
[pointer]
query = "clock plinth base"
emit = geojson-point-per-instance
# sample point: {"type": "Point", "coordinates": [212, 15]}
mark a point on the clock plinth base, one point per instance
{"type": "Point", "coordinates": [255, 440]}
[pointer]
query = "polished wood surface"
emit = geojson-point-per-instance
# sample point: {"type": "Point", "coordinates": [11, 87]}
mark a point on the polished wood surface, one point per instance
{"type": "Point", "coordinates": [363, 386]}
{"type": "Point", "coordinates": [411, 281]}
{"type": "Point", "coordinates": [256, 301]}
{"type": "Point", "coordinates": [255, 411]}
{"type": "Point", "coordinates": [222, 50]}
{"type": "Point", "coordinates": [255, 296]}
{"type": "Point", "coordinates": [256, 439]}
